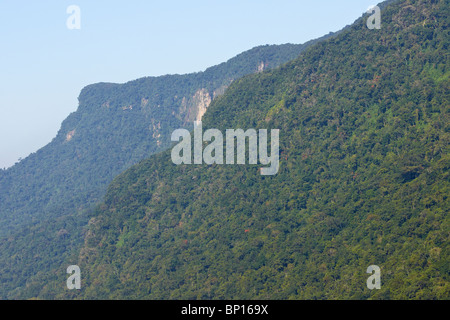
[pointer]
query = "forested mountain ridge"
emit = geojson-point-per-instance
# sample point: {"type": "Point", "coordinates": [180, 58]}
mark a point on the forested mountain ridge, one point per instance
{"type": "Point", "coordinates": [44, 199]}
{"type": "Point", "coordinates": [115, 126]}
{"type": "Point", "coordinates": [363, 180]}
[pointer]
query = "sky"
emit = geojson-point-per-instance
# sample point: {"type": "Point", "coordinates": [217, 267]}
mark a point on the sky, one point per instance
{"type": "Point", "coordinates": [44, 63]}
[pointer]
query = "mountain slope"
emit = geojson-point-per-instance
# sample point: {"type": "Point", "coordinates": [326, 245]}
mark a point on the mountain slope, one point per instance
{"type": "Point", "coordinates": [45, 198]}
{"type": "Point", "coordinates": [115, 126]}
{"type": "Point", "coordinates": [363, 180]}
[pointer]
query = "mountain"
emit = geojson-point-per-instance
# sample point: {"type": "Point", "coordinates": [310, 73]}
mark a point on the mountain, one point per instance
{"type": "Point", "coordinates": [44, 199]}
{"type": "Point", "coordinates": [114, 127]}
{"type": "Point", "coordinates": [363, 180]}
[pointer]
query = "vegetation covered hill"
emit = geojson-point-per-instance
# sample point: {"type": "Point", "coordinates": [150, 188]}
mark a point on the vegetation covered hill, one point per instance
{"type": "Point", "coordinates": [363, 180]}
{"type": "Point", "coordinates": [115, 126]}
{"type": "Point", "coordinates": [44, 198]}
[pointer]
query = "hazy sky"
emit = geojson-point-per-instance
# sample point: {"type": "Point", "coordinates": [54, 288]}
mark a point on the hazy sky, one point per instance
{"type": "Point", "coordinates": [44, 64]}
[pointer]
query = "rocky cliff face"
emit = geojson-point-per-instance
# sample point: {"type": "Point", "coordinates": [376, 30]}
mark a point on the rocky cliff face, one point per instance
{"type": "Point", "coordinates": [262, 66]}
{"type": "Point", "coordinates": [195, 107]}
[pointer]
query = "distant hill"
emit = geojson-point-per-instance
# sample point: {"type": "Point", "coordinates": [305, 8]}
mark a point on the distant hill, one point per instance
{"type": "Point", "coordinates": [114, 127]}
{"type": "Point", "coordinates": [44, 198]}
{"type": "Point", "coordinates": [363, 180]}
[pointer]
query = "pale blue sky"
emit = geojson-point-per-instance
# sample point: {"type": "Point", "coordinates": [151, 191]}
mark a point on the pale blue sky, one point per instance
{"type": "Point", "coordinates": [44, 65]}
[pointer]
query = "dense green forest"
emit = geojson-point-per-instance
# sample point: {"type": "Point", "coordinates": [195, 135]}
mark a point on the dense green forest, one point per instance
{"type": "Point", "coordinates": [44, 199]}
{"type": "Point", "coordinates": [115, 126]}
{"type": "Point", "coordinates": [363, 180]}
